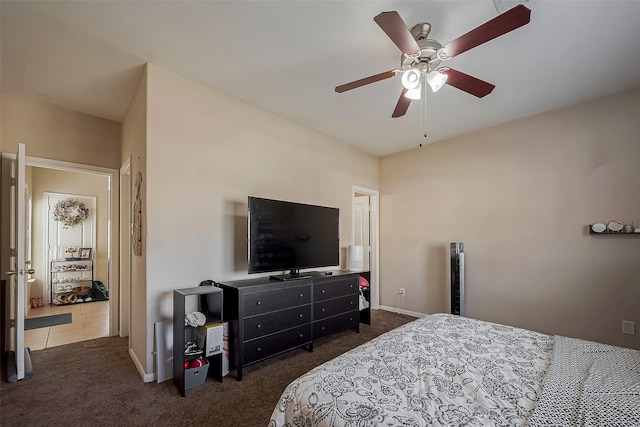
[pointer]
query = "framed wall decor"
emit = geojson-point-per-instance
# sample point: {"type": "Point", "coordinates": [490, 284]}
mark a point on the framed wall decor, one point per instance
{"type": "Point", "coordinates": [85, 253]}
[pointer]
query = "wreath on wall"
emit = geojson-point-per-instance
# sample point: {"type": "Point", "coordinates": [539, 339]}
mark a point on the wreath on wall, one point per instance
{"type": "Point", "coordinates": [70, 212]}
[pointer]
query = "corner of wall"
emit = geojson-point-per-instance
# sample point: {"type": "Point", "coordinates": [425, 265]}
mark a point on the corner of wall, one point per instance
{"type": "Point", "coordinates": [147, 378]}
{"type": "Point", "coordinates": [133, 146]}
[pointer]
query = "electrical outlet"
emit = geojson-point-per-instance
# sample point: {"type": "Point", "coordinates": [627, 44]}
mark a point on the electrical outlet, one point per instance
{"type": "Point", "coordinates": [628, 327]}
{"type": "Point", "coordinates": [402, 292]}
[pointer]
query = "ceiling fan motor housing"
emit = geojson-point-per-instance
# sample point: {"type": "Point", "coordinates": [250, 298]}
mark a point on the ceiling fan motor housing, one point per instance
{"type": "Point", "coordinates": [427, 59]}
{"type": "Point", "coordinates": [421, 31]}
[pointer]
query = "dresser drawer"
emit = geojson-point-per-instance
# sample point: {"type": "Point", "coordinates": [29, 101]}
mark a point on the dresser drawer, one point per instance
{"type": "Point", "coordinates": [272, 300]}
{"type": "Point", "coordinates": [334, 324]}
{"type": "Point", "coordinates": [331, 307]}
{"type": "Point", "coordinates": [264, 324]}
{"type": "Point", "coordinates": [261, 348]}
{"type": "Point", "coordinates": [333, 288]}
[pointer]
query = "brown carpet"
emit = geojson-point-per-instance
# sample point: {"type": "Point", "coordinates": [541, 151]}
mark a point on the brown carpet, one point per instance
{"type": "Point", "coordinates": [95, 383]}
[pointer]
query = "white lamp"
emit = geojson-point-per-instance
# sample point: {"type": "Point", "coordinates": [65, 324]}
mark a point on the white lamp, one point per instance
{"type": "Point", "coordinates": [436, 80]}
{"type": "Point", "coordinates": [414, 93]}
{"type": "Point", "coordinates": [411, 79]}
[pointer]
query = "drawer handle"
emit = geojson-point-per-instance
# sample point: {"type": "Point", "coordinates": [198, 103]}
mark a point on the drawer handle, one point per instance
{"type": "Point", "coordinates": [350, 318]}
{"type": "Point", "coordinates": [259, 348]}
{"type": "Point", "coordinates": [258, 303]}
{"type": "Point", "coordinates": [351, 302]}
{"type": "Point", "coordinates": [300, 315]}
{"type": "Point", "coordinates": [301, 335]}
{"type": "Point", "coordinates": [300, 295]}
{"type": "Point", "coordinates": [324, 309]}
{"type": "Point", "coordinates": [258, 326]}
{"type": "Point", "coordinates": [323, 328]}
{"type": "Point", "coordinates": [323, 291]}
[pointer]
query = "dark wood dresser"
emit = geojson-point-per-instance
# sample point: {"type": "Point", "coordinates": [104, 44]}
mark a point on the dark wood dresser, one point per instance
{"type": "Point", "coordinates": [268, 317]}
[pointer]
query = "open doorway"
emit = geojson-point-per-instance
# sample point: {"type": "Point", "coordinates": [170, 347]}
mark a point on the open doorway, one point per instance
{"type": "Point", "coordinates": [90, 319]}
{"type": "Point", "coordinates": [365, 230]}
{"type": "Point", "coordinates": [67, 260]}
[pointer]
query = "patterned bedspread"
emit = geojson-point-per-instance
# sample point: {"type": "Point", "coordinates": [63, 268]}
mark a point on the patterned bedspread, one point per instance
{"type": "Point", "coordinates": [440, 370]}
{"type": "Point", "coordinates": [590, 384]}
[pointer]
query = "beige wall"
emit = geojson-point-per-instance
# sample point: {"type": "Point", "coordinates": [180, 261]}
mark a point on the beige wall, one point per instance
{"type": "Point", "coordinates": [520, 197]}
{"type": "Point", "coordinates": [206, 152]}
{"type": "Point", "coordinates": [54, 133]}
{"type": "Point", "coordinates": [50, 180]}
{"type": "Point", "coordinates": [134, 139]}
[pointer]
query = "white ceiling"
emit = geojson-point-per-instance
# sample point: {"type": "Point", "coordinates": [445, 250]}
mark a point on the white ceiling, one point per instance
{"type": "Point", "coordinates": [286, 57]}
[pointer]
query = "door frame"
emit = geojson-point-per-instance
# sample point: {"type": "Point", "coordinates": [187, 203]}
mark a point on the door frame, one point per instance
{"type": "Point", "coordinates": [374, 241]}
{"type": "Point", "coordinates": [126, 225]}
{"type": "Point", "coordinates": [113, 227]}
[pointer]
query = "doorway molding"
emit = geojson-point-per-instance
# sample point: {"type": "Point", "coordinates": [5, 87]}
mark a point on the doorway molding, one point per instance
{"type": "Point", "coordinates": [125, 249]}
{"type": "Point", "coordinates": [113, 228]}
{"type": "Point", "coordinates": [374, 232]}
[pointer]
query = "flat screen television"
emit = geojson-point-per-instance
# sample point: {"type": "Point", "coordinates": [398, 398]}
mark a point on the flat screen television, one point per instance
{"type": "Point", "coordinates": [291, 236]}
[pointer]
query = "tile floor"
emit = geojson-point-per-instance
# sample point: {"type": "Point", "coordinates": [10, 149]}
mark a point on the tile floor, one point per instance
{"type": "Point", "coordinates": [89, 321]}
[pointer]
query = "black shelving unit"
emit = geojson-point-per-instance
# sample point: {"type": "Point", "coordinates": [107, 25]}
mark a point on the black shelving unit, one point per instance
{"type": "Point", "coordinates": [365, 315]}
{"type": "Point", "coordinates": [185, 379]}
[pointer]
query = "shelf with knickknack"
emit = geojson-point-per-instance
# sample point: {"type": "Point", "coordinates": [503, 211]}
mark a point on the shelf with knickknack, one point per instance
{"type": "Point", "coordinates": [71, 281]}
{"type": "Point", "coordinates": [615, 228]}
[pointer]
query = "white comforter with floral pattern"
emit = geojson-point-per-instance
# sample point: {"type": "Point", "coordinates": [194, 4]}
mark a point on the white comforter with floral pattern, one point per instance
{"type": "Point", "coordinates": [440, 370]}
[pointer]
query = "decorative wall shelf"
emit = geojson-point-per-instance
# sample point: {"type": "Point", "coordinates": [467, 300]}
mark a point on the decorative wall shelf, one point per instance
{"type": "Point", "coordinates": [611, 233]}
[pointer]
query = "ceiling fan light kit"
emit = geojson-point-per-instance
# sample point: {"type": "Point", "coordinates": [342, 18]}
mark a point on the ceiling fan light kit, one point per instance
{"type": "Point", "coordinates": [414, 93]}
{"type": "Point", "coordinates": [436, 80]}
{"type": "Point", "coordinates": [411, 78]}
{"type": "Point", "coordinates": [422, 56]}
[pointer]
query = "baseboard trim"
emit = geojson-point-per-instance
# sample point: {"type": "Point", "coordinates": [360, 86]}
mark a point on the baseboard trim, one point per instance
{"type": "Point", "coordinates": [147, 378]}
{"type": "Point", "coordinates": [402, 311]}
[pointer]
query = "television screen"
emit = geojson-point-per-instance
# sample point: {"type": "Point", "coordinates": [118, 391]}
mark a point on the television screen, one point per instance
{"type": "Point", "coordinates": [291, 236]}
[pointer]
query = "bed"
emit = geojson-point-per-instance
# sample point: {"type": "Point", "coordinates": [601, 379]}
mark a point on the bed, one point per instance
{"type": "Point", "coordinates": [446, 370]}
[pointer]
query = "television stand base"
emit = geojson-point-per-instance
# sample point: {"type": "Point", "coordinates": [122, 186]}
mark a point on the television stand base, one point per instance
{"type": "Point", "coordinates": [287, 277]}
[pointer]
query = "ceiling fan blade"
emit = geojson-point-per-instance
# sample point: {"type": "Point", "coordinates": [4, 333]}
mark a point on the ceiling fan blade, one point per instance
{"type": "Point", "coordinates": [468, 83]}
{"type": "Point", "coordinates": [367, 80]}
{"type": "Point", "coordinates": [402, 106]}
{"type": "Point", "coordinates": [501, 24]}
{"type": "Point", "coordinates": [393, 25]}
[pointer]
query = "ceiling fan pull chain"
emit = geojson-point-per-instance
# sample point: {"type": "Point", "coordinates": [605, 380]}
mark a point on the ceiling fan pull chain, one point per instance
{"type": "Point", "coordinates": [423, 114]}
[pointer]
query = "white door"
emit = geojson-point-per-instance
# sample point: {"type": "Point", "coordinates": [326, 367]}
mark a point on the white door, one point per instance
{"type": "Point", "coordinates": [361, 228]}
{"type": "Point", "coordinates": [18, 269]}
{"type": "Point", "coordinates": [59, 238]}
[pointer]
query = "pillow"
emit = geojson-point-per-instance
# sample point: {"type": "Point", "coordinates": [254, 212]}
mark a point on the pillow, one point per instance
{"type": "Point", "coordinates": [363, 282]}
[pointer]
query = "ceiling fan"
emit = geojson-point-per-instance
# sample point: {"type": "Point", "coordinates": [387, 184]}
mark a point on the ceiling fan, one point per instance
{"type": "Point", "coordinates": [422, 56]}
